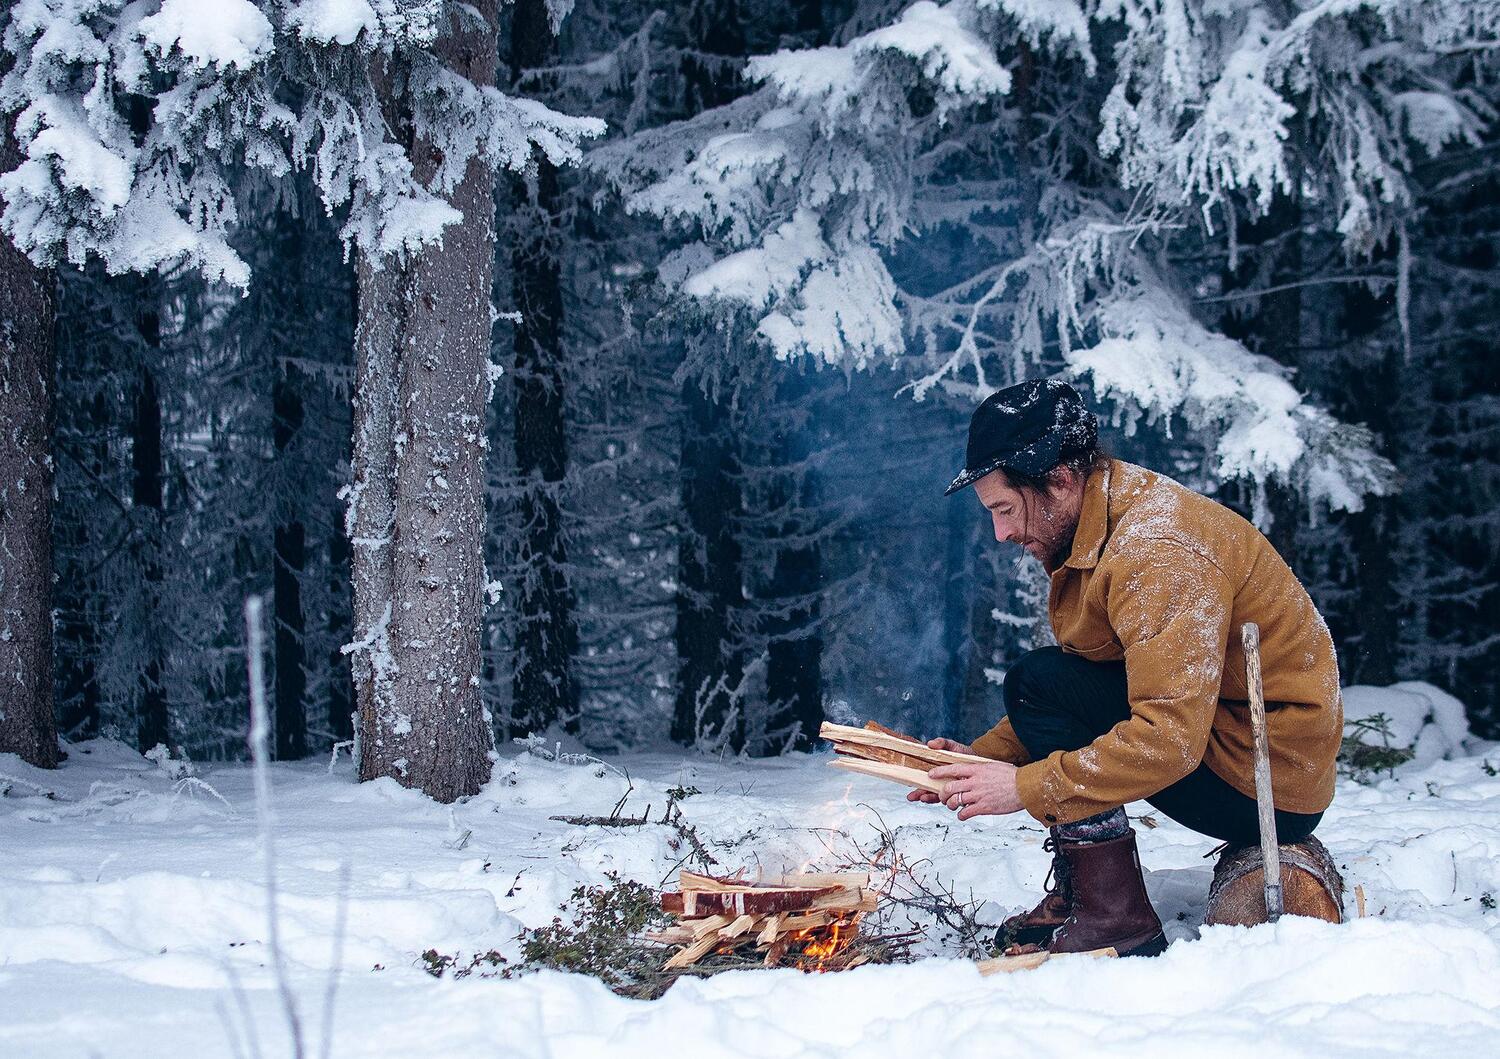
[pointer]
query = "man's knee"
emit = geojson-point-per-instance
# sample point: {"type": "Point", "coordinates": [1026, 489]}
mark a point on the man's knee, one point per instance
{"type": "Point", "coordinates": [1025, 682]}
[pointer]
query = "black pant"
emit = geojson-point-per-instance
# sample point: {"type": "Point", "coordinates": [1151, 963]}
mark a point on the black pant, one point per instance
{"type": "Point", "coordinates": [1058, 701]}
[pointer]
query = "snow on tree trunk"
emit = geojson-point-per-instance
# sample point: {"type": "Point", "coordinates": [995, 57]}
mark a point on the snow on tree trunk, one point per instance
{"type": "Point", "coordinates": [545, 692]}
{"type": "Point", "coordinates": [26, 353]}
{"type": "Point", "coordinates": [416, 510]}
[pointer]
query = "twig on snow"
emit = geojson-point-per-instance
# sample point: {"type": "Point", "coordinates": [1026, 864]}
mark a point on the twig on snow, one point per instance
{"type": "Point", "coordinates": [330, 992]}
{"type": "Point", "coordinates": [260, 731]}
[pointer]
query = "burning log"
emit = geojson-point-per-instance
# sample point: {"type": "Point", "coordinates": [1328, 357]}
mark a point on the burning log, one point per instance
{"type": "Point", "coordinates": [809, 919]}
{"type": "Point", "coordinates": [875, 750]}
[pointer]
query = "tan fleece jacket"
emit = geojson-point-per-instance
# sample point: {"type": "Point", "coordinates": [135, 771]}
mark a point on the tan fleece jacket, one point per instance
{"type": "Point", "coordinates": [1163, 577]}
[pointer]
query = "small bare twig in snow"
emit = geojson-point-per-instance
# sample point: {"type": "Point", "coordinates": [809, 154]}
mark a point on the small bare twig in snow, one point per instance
{"type": "Point", "coordinates": [330, 993]}
{"type": "Point", "coordinates": [260, 731]}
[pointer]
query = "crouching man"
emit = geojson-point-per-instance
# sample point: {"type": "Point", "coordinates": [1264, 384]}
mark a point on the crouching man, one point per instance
{"type": "Point", "coordinates": [1145, 696]}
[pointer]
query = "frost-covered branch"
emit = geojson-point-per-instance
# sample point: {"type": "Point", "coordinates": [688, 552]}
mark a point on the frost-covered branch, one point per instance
{"type": "Point", "coordinates": [133, 119]}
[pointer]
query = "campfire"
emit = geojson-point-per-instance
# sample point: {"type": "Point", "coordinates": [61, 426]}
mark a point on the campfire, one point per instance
{"type": "Point", "coordinates": [809, 920]}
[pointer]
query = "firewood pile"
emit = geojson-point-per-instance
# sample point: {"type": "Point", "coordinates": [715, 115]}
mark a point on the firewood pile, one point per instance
{"type": "Point", "coordinates": [805, 920]}
{"type": "Point", "coordinates": [875, 750]}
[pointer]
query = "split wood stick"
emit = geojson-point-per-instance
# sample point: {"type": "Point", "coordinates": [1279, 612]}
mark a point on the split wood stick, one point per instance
{"type": "Point", "coordinates": [1359, 900]}
{"type": "Point", "coordinates": [743, 925]}
{"type": "Point", "coordinates": [876, 726]}
{"type": "Point", "coordinates": [713, 924]}
{"type": "Point", "coordinates": [1026, 961]}
{"type": "Point", "coordinates": [693, 953]}
{"type": "Point", "coordinates": [839, 733]}
{"type": "Point", "coordinates": [670, 936]}
{"type": "Point", "coordinates": [880, 753]}
{"type": "Point", "coordinates": [862, 902]}
{"type": "Point", "coordinates": [808, 921]}
{"type": "Point", "coordinates": [1270, 851]}
{"type": "Point", "coordinates": [772, 928]}
{"type": "Point", "coordinates": [895, 773]}
{"type": "Point", "coordinates": [689, 880]}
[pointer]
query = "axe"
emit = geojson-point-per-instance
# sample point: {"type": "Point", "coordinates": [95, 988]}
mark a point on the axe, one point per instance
{"type": "Point", "coordinates": [1270, 851]}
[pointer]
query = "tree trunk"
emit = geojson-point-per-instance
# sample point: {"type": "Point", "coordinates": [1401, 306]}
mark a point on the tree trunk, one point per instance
{"type": "Point", "coordinates": [289, 558]}
{"type": "Point", "coordinates": [153, 717]}
{"type": "Point", "coordinates": [341, 697]}
{"type": "Point", "coordinates": [76, 642]}
{"type": "Point", "coordinates": [416, 505]}
{"type": "Point", "coordinates": [546, 627]}
{"type": "Point", "coordinates": [1367, 627]}
{"type": "Point", "coordinates": [710, 586]}
{"type": "Point", "coordinates": [959, 571]}
{"type": "Point", "coordinates": [794, 664]}
{"type": "Point", "coordinates": [981, 698]}
{"type": "Point", "coordinates": [27, 726]}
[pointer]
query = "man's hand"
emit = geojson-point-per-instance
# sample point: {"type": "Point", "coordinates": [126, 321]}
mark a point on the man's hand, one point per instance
{"type": "Point", "coordinates": [977, 790]}
{"type": "Point", "coordinates": [938, 744]}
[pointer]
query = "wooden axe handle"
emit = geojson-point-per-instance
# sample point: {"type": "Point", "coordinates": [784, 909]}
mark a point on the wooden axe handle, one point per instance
{"type": "Point", "coordinates": [1270, 850]}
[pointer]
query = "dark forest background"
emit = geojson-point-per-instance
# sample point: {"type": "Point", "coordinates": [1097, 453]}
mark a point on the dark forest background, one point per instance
{"type": "Point", "coordinates": [686, 539]}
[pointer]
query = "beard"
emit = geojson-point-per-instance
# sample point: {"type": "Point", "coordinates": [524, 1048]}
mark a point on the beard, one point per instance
{"type": "Point", "coordinates": [1052, 537]}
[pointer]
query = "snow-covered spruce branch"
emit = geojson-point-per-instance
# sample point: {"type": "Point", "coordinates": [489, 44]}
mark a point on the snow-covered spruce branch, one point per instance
{"type": "Point", "coordinates": [131, 116]}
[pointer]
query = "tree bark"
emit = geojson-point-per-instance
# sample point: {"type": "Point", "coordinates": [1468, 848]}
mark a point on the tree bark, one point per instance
{"type": "Point", "coordinates": [545, 692]}
{"type": "Point", "coordinates": [794, 663]}
{"type": "Point", "coordinates": [794, 666]}
{"type": "Point", "coordinates": [27, 310]}
{"type": "Point", "coordinates": [289, 558]}
{"type": "Point", "coordinates": [416, 505]}
{"type": "Point", "coordinates": [341, 697]}
{"type": "Point", "coordinates": [710, 583]}
{"type": "Point", "coordinates": [710, 586]}
{"type": "Point", "coordinates": [153, 717]}
{"type": "Point", "coordinates": [76, 639]}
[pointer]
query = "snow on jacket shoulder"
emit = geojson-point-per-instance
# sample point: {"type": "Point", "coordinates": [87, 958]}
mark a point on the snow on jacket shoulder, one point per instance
{"type": "Point", "coordinates": [1163, 578]}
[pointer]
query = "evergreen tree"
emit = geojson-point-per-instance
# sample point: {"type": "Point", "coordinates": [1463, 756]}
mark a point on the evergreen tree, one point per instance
{"type": "Point", "coordinates": [546, 628]}
{"type": "Point", "coordinates": [397, 113]}
{"type": "Point", "coordinates": [26, 359]}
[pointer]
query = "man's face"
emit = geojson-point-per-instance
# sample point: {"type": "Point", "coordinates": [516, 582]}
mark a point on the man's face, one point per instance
{"type": "Point", "coordinates": [1041, 523]}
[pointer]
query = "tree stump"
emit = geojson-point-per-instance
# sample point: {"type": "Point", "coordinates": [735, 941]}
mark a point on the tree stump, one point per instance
{"type": "Point", "coordinates": [1310, 883]}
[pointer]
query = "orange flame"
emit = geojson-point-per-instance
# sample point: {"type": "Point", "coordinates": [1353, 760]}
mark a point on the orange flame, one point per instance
{"type": "Point", "coordinates": [822, 944]}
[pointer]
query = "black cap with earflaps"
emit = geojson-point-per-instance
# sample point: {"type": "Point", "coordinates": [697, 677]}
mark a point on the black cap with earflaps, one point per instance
{"type": "Point", "coordinates": [1027, 428]}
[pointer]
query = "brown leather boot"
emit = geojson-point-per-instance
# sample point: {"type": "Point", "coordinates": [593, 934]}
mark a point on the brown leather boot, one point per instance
{"type": "Point", "coordinates": [1036, 927]}
{"type": "Point", "coordinates": [1110, 907]}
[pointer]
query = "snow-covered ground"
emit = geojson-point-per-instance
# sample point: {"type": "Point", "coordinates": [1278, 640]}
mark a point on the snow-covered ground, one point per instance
{"type": "Point", "coordinates": [132, 920]}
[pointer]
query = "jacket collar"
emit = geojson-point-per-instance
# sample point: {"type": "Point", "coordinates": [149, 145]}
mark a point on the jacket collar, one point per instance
{"type": "Point", "coordinates": [1093, 520]}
